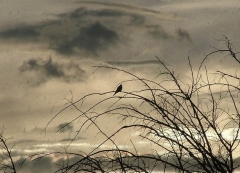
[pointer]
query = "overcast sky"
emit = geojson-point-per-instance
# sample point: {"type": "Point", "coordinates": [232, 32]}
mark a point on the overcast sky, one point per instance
{"type": "Point", "coordinates": [48, 48]}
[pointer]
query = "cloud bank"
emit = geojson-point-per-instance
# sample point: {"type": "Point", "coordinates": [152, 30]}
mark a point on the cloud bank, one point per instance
{"type": "Point", "coordinates": [95, 32]}
{"type": "Point", "coordinates": [45, 69]}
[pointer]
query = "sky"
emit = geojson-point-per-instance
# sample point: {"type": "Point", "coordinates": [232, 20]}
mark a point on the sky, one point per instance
{"type": "Point", "coordinates": [48, 50]}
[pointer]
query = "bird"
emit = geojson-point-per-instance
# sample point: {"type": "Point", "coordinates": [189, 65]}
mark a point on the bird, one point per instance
{"type": "Point", "coordinates": [119, 89]}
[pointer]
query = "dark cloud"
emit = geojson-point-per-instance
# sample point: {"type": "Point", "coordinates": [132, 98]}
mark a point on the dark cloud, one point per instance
{"type": "Point", "coordinates": [26, 141]}
{"type": "Point", "coordinates": [37, 130]}
{"type": "Point", "coordinates": [48, 163]}
{"type": "Point", "coordinates": [122, 6]}
{"type": "Point", "coordinates": [44, 70]}
{"type": "Point", "coordinates": [83, 12]}
{"type": "Point", "coordinates": [45, 164]}
{"type": "Point", "coordinates": [158, 31]}
{"type": "Point", "coordinates": [89, 31]}
{"type": "Point", "coordinates": [183, 34]}
{"type": "Point", "coordinates": [84, 31]}
{"type": "Point", "coordinates": [53, 162]}
{"type": "Point", "coordinates": [127, 63]}
{"type": "Point", "coordinates": [91, 38]}
{"type": "Point", "coordinates": [135, 19]}
{"type": "Point", "coordinates": [65, 127]}
{"type": "Point", "coordinates": [71, 139]}
{"type": "Point", "coordinates": [48, 67]}
{"type": "Point", "coordinates": [109, 13]}
{"type": "Point", "coordinates": [21, 33]}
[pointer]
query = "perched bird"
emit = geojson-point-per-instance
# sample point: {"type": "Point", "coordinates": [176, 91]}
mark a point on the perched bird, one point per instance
{"type": "Point", "coordinates": [119, 89]}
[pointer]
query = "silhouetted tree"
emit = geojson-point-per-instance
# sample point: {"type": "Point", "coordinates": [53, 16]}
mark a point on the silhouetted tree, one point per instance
{"type": "Point", "coordinates": [191, 126]}
{"type": "Point", "coordinates": [7, 163]}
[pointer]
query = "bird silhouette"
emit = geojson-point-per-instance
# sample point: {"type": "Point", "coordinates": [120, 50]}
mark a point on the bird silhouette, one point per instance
{"type": "Point", "coordinates": [119, 89]}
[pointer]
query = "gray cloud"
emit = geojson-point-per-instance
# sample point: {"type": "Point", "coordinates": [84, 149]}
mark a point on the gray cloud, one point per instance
{"type": "Point", "coordinates": [84, 35]}
{"type": "Point", "coordinates": [47, 67]}
{"type": "Point", "coordinates": [45, 164]}
{"type": "Point", "coordinates": [106, 13]}
{"type": "Point", "coordinates": [65, 127]}
{"type": "Point", "coordinates": [71, 139]}
{"type": "Point", "coordinates": [44, 70]}
{"type": "Point", "coordinates": [49, 163]}
{"type": "Point", "coordinates": [84, 31]}
{"type": "Point", "coordinates": [158, 31]}
{"type": "Point", "coordinates": [91, 38]}
{"type": "Point", "coordinates": [128, 63]}
{"type": "Point", "coordinates": [83, 12]}
{"type": "Point", "coordinates": [122, 6]}
{"type": "Point", "coordinates": [99, 32]}
{"type": "Point", "coordinates": [134, 18]}
{"type": "Point", "coordinates": [54, 162]}
{"type": "Point", "coordinates": [137, 19]}
{"type": "Point", "coordinates": [183, 34]}
{"type": "Point", "coordinates": [28, 33]}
